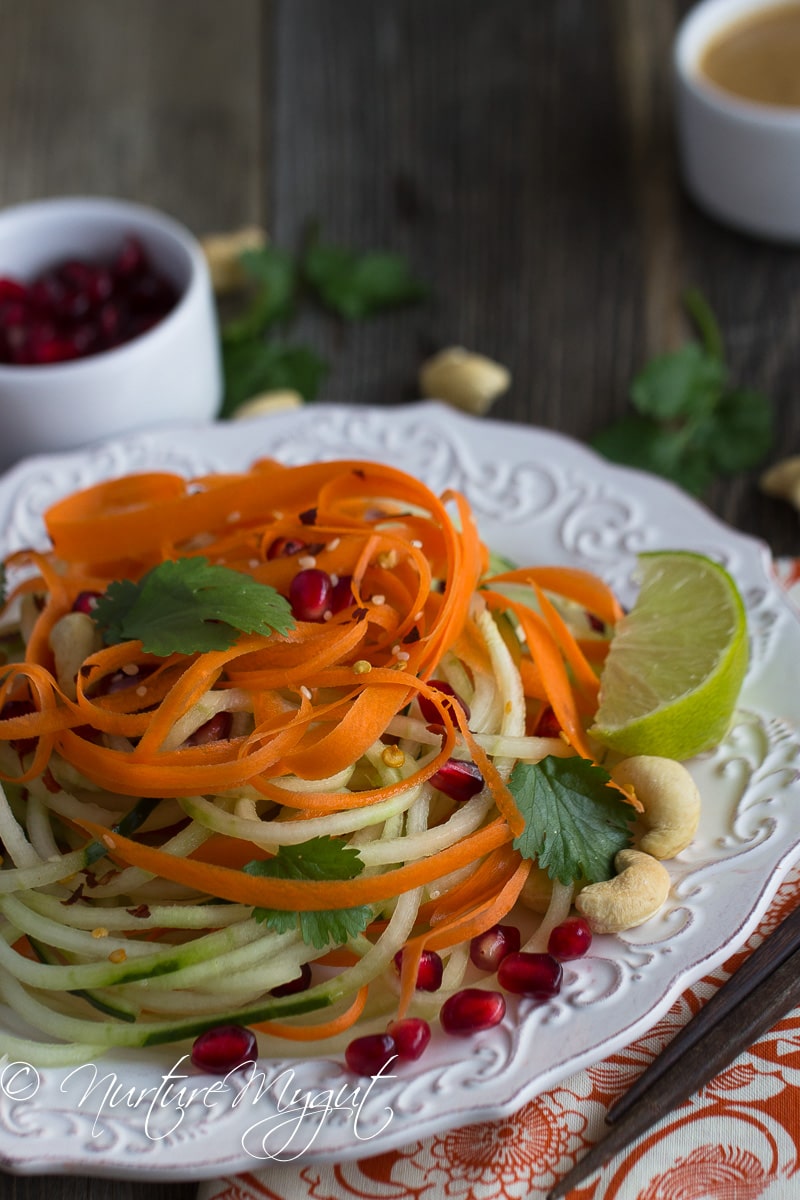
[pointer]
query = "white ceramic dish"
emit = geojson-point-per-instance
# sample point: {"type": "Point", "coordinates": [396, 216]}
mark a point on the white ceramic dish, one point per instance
{"type": "Point", "coordinates": [740, 160]}
{"type": "Point", "coordinates": [537, 497]}
{"type": "Point", "coordinates": [170, 373]}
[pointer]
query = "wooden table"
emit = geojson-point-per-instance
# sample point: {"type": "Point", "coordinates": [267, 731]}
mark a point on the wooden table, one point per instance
{"type": "Point", "coordinates": [519, 152]}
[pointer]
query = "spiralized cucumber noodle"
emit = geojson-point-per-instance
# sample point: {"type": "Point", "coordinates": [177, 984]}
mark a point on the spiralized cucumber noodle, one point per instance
{"type": "Point", "coordinates": [137, 786]}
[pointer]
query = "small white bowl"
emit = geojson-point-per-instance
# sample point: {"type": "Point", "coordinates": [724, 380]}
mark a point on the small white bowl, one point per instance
{"type": "Point", "coordinates": [740, 159]}
{"type": "Point", "coordinates": [170, 374]}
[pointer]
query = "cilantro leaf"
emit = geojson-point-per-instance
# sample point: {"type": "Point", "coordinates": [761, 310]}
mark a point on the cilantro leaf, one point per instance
{"type": "Point", "coordinates": [743, 432]}
{"type": "Point", "coordinates": [319, 858]}
{"type": "Point", "coordinates": [681, 384]}
{"type": "Point", "coordinates": [189, 605]}
{"type": "Point", "coordinates": [690, 425]}
{"type": "Point", "coordinates": [359, 285]}
{"type": "Point", "coordinates": [251, 366]}
{"type": "Point", "coordinates": [274, 272]}
{"type": "Point", "coordinates": [318, 929]}
{"type": "Point", "coordinates": [574, 822]}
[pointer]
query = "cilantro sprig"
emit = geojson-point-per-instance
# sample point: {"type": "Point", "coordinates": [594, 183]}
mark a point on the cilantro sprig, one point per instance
{"type": "Point", "coordinates": [320, 858]}
{"type": "Point", "coordinates": [187, 605]}
{"type": "Point", "coordinates": [574, 822]}
{"type": "Point", "coordinates": [256, 353]}
{"type": "Point", "coordinates": [690, 424]}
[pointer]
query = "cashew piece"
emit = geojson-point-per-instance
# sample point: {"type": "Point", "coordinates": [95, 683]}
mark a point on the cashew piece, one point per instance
{"type": "Point", "coordinates": [465, 380]}
{"type": "Point", "coordinates": [670, 800]}
{"type": "Point", "coordinates": [782, 479]}
{"type": "Point", "coordinates": [72, 639]}
{"type": "Point", "coordinates": [223, 252]}
{"type": "Point", "coordinates": [634, 895]}
{"type": "Point", "coordinates": [266, 402]}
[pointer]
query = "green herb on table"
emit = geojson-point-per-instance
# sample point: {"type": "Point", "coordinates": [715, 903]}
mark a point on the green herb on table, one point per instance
{"type": "Point", "coordinates": [256, 355]}
{"type": "Point", "coordinates": [690, 424]}
{"type": "Point", "coordinates": [320, 858]}
{"type": "Point", "coordinates": [574, 822]}
{"type": "Point", "coordinates": [188, 605]}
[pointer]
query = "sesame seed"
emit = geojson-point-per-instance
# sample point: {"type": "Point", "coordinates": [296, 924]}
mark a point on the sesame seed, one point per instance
{"type": "Point", "coordinates": [416, 543]}
{"type": "Point", "coordinates": [403, 656]}
{"type": "Point", "coordinates": [233, 517]}
{"type": "Point", "coordinates": [326, 616]}
{"type": "Point", "coordinates": [117, 956]}
{"type": "Point", "coordinates": [361, 666]}
{"type": "Point", "coordinates": [334, 579]}
{"type": "Point", "coordinates": [253, 563]}
{"type": "Point", "coordinates": [418, 616]}
{"type": "Point", "coordinates": [304, 691]}
{"type": "Point", "coordinates": [306, 562]}
{"type": "Point", "coordinates": [379, 598]}
{"type": "Point", "coordinates": [100, 932]}
{"type": "Point", "coordinates": [141, 690]}
{"type": "Point", "coordinates": [333, 543]}
{"type": "Point", "coordinates": [396, 649]}
{"type": "Point", "coordinates": [130, 669]}
{"type": "Point", "coordinates": [277, 515]}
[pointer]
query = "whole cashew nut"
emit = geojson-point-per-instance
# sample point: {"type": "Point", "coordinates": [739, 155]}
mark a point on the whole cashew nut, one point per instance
{"type": "Point", "coordinates": [464, 379]}
{"type": "Point", "coordinates": [670, 800]}
{"type": "Point", "coordinates": [634, 895]}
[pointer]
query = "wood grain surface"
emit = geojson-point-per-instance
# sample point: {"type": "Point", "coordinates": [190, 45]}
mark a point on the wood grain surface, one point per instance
{"type": "Point", "coordinates": [520, 153]}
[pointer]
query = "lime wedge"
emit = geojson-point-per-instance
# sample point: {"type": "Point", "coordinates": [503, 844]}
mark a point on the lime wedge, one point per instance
{"type": "Point", "coordinates": [677, 660]}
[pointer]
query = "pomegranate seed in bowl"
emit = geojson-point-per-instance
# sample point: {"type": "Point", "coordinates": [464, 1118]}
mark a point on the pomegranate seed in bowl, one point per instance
{"type": "Point", "coordinates": [472, 1010]}
{"type": "Point", "coordinates": [76, 309]}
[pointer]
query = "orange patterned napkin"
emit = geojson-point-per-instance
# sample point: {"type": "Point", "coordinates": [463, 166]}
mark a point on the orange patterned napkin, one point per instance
{"type": "Point", "coordinates": [737, 1139]}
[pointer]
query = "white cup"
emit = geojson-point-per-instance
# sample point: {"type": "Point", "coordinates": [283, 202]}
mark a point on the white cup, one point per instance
{"type": "Point", "coordinates": [170, 374]}
{"type": "Point", "coordinates": [740, 159]}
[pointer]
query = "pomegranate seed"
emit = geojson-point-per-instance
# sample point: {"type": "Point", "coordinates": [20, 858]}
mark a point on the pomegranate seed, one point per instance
{"type": "Point", "coordinates": [283, 547]}
{"type": "Point", "coordinates": [429, 710]}
{"type": "Point", "coordinates": [342, 595]}
{"type": "Point", "coordinates": [215, 729]}
{"type": "Point", "coordinates": [86, 602]}
{"type": "Point", "coordinates": [368, 1055]}
{"type": "Point", "coordinates": [471, 1010]}
{"type": "Point", "coordinates": [595, 623]}
{"type": "Point", "coordinates": [429, 972]}
{"type": "Point", "coordinates": [411, 1036]}
{"type": "Point", "coordinates": [224, 1049]}
{"type": "Point", "coordinates": [79, 308]}
{"type": "Point", "coordinates": [571, 939]}
{"type": "Point", "coordinates": [458, 779]}
{"type": "Point", "coordinates": [548, 724]}
{"type": "Point", "coordinates": [10, 289]}
{"type": "Point", "coordinates": [294, 986]}
{"type": "Point", "coordinates": [131, 258]}
{"type": "Point", "coordinates": [535, 975]}
{"type": "Point", "coordinates": [488, 949]}
{"type": "Point", "coordinates": [310, 594]}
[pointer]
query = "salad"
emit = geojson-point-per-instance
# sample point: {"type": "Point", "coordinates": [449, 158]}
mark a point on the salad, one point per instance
{"type": "Point", "coordinates": [281, 750]}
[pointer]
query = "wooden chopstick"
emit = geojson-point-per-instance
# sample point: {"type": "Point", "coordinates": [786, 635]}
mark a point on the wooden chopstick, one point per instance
{"type": "Point", "coordinates": [764, 988]}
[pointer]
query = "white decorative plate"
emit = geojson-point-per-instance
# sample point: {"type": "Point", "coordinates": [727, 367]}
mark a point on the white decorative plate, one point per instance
{"type": "Point", "coordinates": [539, 498]}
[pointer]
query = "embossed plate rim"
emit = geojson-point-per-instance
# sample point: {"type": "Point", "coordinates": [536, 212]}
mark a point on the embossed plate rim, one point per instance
{"type": "Point", "coordinates": [527, 485]}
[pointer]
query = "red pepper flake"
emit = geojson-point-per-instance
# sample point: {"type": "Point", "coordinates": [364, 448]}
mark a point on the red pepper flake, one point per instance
{"type": "Point", "coordinates": [141, 910]}
{"type": "Point", "coordinates": [50, 782]}
{"type": "Point", "coordinates": [358, 614]}
{"type": "Point", "coordinates": [74, 897]}
{"type": "Point", "coordinates": [309, 517]}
